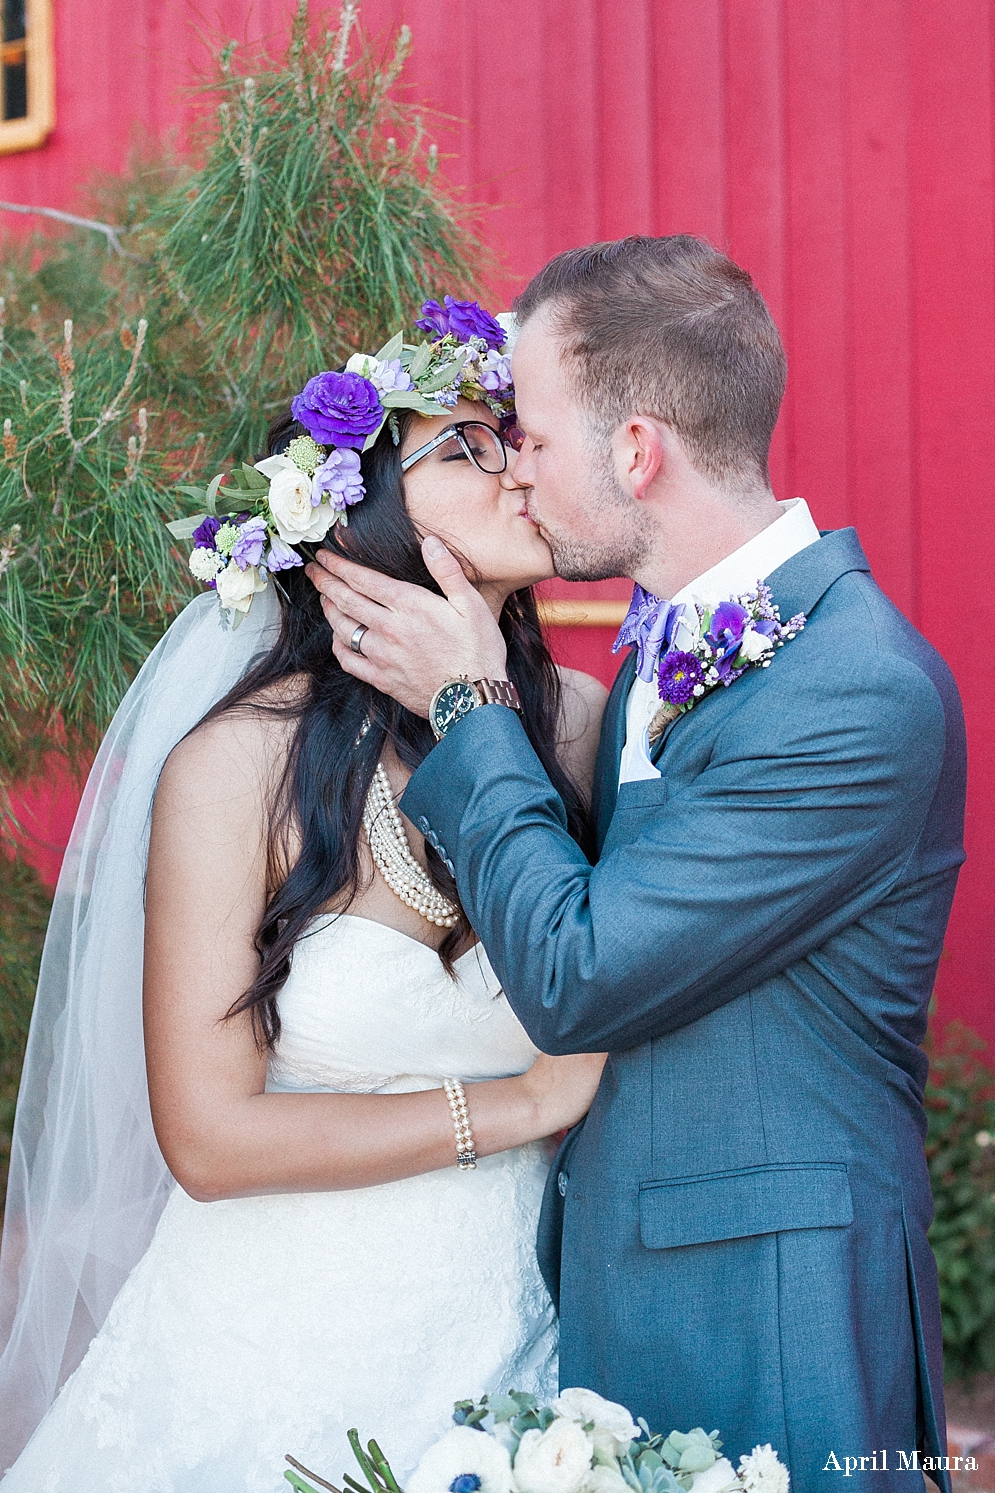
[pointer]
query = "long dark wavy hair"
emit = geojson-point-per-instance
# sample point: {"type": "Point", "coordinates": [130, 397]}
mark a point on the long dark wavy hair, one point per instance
{"type": "Point", "coordinates": [342, 725]}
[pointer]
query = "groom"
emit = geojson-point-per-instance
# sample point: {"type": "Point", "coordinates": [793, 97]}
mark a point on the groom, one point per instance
{"type": "Point", "coordinates": [737, 1232]}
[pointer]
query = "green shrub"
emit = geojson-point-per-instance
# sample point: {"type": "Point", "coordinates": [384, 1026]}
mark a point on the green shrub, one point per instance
{"type": "Point", "coordinates": [960, 1149]}
{"type": "Point", "coordinates": [24, 910]}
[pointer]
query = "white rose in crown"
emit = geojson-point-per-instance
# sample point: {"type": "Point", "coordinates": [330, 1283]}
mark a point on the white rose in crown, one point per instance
{"type": "Point", "coordinates": [613, 1426]}
{"type": "Point", "coordinates": [556, 1460]}
{"type": "Point", "coordinates": [236, 587]}
{"type": "Point", "coordinates": [465, 1460]}
{"type": "Point", "coordinates": [290, 502]}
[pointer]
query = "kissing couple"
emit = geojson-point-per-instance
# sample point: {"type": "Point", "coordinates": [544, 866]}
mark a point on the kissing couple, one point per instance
{"type": "Point", "coordinates": [355, 924]}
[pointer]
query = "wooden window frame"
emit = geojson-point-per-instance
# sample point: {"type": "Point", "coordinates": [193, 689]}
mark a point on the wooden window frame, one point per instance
{"type": "Point", "coordinates": [34, 129]}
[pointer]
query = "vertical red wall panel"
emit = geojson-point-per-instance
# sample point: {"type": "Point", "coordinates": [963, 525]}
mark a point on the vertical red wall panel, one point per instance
{"type": "Point", "coordinates": [954, 315]}
{"type": "Point", "coordinates": [841, 149]}
{"type": "Point", "coordinates": [880, 477]}
{"type": "Point", "coordinates": [755, 170]}
{"type": "Point", "coordinates": [817, 270]}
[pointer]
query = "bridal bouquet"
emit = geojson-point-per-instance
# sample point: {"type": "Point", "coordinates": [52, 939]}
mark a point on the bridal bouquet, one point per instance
{"type": "Point", "coordinates": [580, 1443]}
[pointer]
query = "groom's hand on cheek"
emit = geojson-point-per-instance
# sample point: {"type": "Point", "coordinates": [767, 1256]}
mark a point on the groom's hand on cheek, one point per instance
{"type": "Point", "coordinates": [414, 640]}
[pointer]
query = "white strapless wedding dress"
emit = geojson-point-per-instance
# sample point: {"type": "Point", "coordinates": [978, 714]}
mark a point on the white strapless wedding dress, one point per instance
{"type": "Point", "coordinates": [258, 1326]}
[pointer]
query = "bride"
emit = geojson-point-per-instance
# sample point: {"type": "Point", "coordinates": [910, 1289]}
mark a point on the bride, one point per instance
{"type": "Point", "coordinates": [289, 1217]}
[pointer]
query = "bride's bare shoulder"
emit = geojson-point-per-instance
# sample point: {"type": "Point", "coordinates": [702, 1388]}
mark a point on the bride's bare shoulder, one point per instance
{"type": "Point", "coordinates": [232, 762]}
{"type": "Point", "coordinates": [584, 699]}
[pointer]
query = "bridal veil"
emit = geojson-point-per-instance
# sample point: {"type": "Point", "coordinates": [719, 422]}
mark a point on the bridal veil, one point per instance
{"type": "Point", "coordinates": [87, 1179]}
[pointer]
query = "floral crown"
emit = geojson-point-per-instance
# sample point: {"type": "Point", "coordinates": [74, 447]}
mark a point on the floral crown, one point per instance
{"type": "Point", "coordinates": [256, 514]}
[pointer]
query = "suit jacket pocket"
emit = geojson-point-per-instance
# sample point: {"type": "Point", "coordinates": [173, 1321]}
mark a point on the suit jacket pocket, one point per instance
{"type": "Point", "coordinates": [750, 1200]}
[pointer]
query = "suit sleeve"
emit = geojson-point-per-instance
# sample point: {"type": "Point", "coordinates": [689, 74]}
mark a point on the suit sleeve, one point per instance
{"type": "Point", "coordinates": [807, 810]}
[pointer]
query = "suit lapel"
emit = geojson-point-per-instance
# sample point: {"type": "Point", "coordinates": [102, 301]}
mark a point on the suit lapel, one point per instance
{"type": "Point", "coordinates": [610, 749]}
{"type": "Point", "coordinates": [797, 586]}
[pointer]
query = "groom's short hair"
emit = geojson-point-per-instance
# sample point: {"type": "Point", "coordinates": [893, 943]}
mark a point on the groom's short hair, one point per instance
{"type": "Point", "coordinates": [669, 327]}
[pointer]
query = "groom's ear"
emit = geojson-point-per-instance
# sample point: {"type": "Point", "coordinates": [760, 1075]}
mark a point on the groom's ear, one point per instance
{"type": "Point", "coordinates": [644, 452]}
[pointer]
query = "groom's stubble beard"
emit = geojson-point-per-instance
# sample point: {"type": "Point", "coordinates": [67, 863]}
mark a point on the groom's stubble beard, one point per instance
{"type": "Point", "coordinates": [627, 537]}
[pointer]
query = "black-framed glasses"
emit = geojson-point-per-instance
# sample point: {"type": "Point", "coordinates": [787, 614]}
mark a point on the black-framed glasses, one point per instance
{"type": "Point", "coordinates": [486, 447]}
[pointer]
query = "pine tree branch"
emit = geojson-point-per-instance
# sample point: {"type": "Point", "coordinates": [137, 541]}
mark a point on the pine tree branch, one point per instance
{"type": "Point", "coordinates": [111, 234]}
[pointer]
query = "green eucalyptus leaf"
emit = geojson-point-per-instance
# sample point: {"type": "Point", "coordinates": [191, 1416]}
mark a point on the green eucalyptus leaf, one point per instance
{"type": "Point", "coordinates": [444, 377]}
{"type": "Point", "coordinates": [503, 1407]}
{"type": "Point", "coordinates": [212, 492]}
{"type": "Point", "coordinates": [185, 528]}
{"type": "Point", "coordinates": [254, 479]}
{"type": "Point", "coordinates": [421, 360]}
{"type": "Point", "coordinates": [391, 349]}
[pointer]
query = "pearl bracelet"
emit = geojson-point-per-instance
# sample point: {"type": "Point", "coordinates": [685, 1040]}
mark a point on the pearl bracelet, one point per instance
{"type": "Point", "coordinates": [466, 1156]}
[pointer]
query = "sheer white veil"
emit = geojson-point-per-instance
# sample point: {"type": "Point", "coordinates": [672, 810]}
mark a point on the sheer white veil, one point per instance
{"type": "Point", "coordinates": [87, 1179]}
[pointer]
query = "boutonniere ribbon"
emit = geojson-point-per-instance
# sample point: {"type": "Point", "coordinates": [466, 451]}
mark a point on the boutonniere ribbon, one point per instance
{"type": "Point", "coordinates": [722, 642]}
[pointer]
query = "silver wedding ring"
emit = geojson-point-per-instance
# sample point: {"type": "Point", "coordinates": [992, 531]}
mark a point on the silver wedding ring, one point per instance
{"type": "Point", "coordinates": [356, 641]}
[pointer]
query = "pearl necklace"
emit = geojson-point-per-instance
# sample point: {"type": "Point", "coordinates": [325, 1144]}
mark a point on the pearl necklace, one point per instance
{"type": "Point", "coordinates": [393, 859]}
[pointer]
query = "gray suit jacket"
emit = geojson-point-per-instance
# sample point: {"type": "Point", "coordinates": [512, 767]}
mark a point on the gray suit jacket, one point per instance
{"type": "Point", "coordinates": [737, 1232]}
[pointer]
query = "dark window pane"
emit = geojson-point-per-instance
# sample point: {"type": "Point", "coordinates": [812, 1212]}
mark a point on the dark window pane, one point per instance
{"type": "Point", "coordinates": [15, 92]}
{"type": "Point", "coordinates": [13, 20]}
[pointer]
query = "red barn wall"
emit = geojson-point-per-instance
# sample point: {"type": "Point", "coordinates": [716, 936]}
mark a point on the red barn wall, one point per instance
{"type": "Point", "coordinates": [840, 149]}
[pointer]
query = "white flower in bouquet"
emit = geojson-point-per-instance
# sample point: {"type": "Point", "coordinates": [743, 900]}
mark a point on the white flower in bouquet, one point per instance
{"type": "Point", "coordinates": [762, 1471]}
{"type": "Point", "coordinates": [556, 1460]}
{"type": "Point", "coordinates": [613, 1426]}
{"type": "Point", "coordinates": [237, 587]}
{"type": "Point", "coordinates": [603, 1479]}
{"type": "Point", "coordinates": [463, 1461]}
{"type": "Point", "coordinates": [719, 1478]}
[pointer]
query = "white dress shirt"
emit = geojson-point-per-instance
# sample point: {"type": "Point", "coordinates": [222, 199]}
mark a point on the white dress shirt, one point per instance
{"type": "Point", "coordinates": [739, 572]}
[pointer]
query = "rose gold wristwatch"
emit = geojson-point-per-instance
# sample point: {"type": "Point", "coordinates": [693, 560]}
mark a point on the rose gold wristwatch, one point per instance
{"type": "Point", "coordinates": [458, 697]}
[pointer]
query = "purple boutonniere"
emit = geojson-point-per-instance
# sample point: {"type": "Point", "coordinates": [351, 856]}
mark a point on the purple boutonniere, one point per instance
{"type": "Point", "coordinates": [722, 643]}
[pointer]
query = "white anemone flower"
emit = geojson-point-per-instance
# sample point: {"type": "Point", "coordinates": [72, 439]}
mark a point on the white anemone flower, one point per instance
{"type": "Point", "coordinates": [719, 1478]}
{"type": "Point", "coordinates": [556, 1460]}
{"type": "Point", "coordinates": [463, 1461]}
{"type": "Point", "coordinates": [762, 1471]}
{"type": "Point", "coordinates": [613, 1426]}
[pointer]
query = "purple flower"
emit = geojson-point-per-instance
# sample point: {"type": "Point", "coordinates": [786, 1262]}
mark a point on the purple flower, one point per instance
{"type": "Point", "coordinates": [338, 409]}
{"type": "Point", "coordinates": [203, 535]}
{"type": "Point", "coordinates": [250, 543]}
{"type": "Point", "coordinates": [725, 635]}
{"type": "Point", "coordinates": [280, 556]}
{"type": "Point", "coordinates": [391, 376]}
{"type": "Point", "coordinates": [340, 479]}
{"type": "Point", "coordinates": [649, 626]}
{"type": "Point", "coordinates": [679, 673]}
{"type": "Point", "coordinates": [463, 319]}
{"type": "Point", "coordinates": [495, 376]}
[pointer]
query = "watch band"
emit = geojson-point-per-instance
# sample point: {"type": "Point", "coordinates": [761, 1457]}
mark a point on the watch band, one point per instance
{"type": "Point", "coordinates": [498, 692]}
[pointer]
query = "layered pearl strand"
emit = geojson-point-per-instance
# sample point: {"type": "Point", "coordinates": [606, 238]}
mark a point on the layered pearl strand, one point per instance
{"type": "Point", "coordinates": [466, 1156]}
{"type": "Point", "coordinates": [393, 859]}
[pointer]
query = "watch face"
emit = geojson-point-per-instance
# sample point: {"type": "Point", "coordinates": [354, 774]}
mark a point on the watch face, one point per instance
{"type": "Point", "coordinates": [453, 701]}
